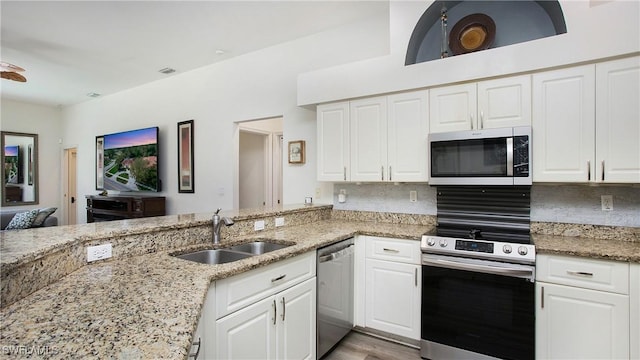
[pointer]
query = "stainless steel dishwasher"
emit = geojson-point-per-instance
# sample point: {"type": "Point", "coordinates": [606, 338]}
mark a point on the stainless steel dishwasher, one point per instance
{"type": "Point", "coordinates": [335, 276]}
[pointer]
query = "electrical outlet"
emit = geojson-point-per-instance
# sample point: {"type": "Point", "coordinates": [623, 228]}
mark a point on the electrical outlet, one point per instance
{"type": "Point", "coordinates": [413, 196]}
{"type": "Point", "coordinates": [98, 252]}
{"type": "Point", "coordinates": [607, 202]}
{"type": "Point", "coordinates": [258, 225]}
{"type": "Point", "coordinates": [279, 221]}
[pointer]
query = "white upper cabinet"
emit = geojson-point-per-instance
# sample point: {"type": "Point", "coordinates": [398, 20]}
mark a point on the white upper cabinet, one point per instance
{"type": "Point", "coordinates": [618, 121]}
{"type": "Point", "coordinates": [368, 129]}
{"type": "Point", "coordinates": [408, 129]}
{"type": "Point", "coordinates": [564, 125]}
{"type": "Point", "coordinates": [503, 102]}
{"type": "Point", "coordinates": [586, 123]}
{"type": "Point", "coordinates": [333, 141]}
{"type": "Point", "coordinates": [386, 139]}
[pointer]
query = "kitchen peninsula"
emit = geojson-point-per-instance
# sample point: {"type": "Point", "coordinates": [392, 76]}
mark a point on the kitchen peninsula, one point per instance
{"type": "Point", "coordinates": [144, 303]}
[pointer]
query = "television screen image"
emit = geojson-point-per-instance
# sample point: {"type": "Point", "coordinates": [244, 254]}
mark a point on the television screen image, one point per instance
{"type": "Point", "coordinates": [131, 160]}
{"type": "Point", "coordinates": [12, 165]}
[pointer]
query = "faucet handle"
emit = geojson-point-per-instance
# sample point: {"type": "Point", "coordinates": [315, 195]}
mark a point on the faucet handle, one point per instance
{"type": "Point", "coordinates": [217, 211]}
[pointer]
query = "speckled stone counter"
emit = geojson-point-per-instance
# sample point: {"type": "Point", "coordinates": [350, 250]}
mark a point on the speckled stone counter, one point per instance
{"type": "Point", "coordinates": [147, 306]}
{"type": "Point", "coordinates": [144, 303]}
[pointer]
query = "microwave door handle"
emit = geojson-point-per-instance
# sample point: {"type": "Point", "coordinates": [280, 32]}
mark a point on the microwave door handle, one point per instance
{"type": "Point", "coordinates": [510, 156]}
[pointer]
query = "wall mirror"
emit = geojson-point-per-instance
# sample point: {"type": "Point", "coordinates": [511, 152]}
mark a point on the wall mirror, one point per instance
{"type": "Point", "coordinates": [20, 170]}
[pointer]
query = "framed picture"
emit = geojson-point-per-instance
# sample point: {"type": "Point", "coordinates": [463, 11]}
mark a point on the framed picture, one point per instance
{"type": "Point", "coordinates": [296, 152]}
{"type": "Point", "coordinates": [185, 157]}
{"type": "Point", "coordinates": [30, 165]}
{"type": "Point", "coordinates": [99, 162]}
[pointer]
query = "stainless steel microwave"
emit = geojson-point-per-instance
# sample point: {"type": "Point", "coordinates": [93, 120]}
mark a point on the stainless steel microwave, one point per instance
{"type": "Point", "coordinates": [481, 157]}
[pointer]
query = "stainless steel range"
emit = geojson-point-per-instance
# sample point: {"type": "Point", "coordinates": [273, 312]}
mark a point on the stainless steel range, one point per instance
{"type": "Point", "coordinates": [478, 274]}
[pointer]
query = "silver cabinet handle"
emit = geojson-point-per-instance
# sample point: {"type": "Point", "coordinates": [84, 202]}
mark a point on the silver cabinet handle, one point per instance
{"type": "Point", "coordinates": [284, 308]}
{"type": "Point", "coordinates": [481, 119]}
{"type": "Point", "coordinates": [275, 311]}
{"type": "Point", "coordinates": [195, 355]}
{"type": "Point", "coordinates": [579, 273]}
{"type": "Point", "coordinates": [382, 171]}
{"type": "Point", "coordinates": [588, 170]}
{"type": "Point", "coordinates": [390, 250]}
{"type": "Point", "coordinates": [471, 120]}
{"type": "Point", "coordinates": [416, 276]}
{"type": "Point", "coordinates": [278, 278]}
{"type": "Point", "coordinates": [389, 172]}
{"type": "Point", "coordinates": [602, 170]}
{"type": "Point", "coordinates": [345, 173]}
{"type": "Point", "coordinates": [542, 298]}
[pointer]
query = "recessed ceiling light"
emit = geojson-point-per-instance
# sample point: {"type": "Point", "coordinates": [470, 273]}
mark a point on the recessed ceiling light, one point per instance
{"type": "Point", "coordinates": [93, 95]}
{"type": "Point", "coordinates": [167, 70]}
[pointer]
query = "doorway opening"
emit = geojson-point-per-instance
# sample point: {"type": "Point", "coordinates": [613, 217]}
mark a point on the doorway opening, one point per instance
{"type": "Point", "coordinates": [259, 180]}
{"type": "Point", "coordinates": [70, 186]}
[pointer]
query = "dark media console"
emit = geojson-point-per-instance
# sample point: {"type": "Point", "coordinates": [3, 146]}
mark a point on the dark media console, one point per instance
{"type": "Point", "coordinates": [118, 207]}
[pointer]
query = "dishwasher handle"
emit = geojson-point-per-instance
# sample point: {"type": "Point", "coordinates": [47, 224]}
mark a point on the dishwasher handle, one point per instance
{"type": "Point", "coordinates": [348, 250]}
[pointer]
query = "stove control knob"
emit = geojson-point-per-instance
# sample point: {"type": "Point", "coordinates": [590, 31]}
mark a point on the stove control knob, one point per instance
{"type": "Point", "coordinates": [506, 249]}
{"type": "Point", "coordinates": [522, 250]}
{"type": "Point", "coordinates": [431, 242]}
{"type": "Point", "coordinates": [443, 243]}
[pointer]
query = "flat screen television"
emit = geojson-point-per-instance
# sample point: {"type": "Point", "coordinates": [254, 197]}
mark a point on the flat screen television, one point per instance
{"type": "Point", "coordinates": [12, 165]}
{"type": "Point", "coordinates": [131, 160]}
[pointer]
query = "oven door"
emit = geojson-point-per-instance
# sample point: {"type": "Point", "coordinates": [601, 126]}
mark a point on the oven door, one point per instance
{"type": "Point", "coordinates": [472, 308]}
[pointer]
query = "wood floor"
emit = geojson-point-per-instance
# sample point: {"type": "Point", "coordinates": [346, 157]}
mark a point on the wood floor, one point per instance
{"type": "Point", "coordinates": [358, 346]}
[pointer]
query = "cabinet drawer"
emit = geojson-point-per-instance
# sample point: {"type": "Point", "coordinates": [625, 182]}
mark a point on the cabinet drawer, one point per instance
{"type": "Point", "coordinates": [239, 291]}
{"type": "Point", "coordinates": [406, 251]}
{"type": "Point", "coordinates": [612, 276]}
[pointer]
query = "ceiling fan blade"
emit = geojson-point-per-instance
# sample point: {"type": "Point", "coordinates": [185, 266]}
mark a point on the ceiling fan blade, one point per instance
{"type": "Point", "coordinates": [10, 75]}
{"type": "Point", "coordinates": [5, 66]}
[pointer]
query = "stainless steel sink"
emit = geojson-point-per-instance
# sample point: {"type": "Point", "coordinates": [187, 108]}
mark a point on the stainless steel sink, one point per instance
{"type": "Point", "coordinates": [258, 247]}
{"type": "Point", "coordinates": [213, 257]}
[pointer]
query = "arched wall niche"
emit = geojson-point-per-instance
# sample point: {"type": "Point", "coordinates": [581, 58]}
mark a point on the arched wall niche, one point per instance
{"type": "Point", "coordinates": [516, 21]}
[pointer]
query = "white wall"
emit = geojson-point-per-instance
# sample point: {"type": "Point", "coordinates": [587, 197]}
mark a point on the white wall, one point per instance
{"type": "Point", "coordinates": [253, 86]}
{"type": "Point", "coordinates": [46, 122]}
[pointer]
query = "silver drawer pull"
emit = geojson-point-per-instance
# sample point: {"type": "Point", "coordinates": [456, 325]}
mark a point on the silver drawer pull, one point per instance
{"type": "Point", "coordinates": [580, 273]}
{"type": "Point", "coordinates": [278, 278]}
{"type": "Point", "coordinates": [390, 250]}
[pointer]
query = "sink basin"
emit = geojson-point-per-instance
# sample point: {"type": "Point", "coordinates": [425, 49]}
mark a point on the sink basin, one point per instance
{"type": "Point", "coordinates": [213, 257]}
{"type": "Point", "coordinates": [258, 247]}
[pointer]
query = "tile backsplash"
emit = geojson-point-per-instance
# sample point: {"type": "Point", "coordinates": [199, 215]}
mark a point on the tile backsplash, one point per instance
{"type": "Point", "coordinates": [577, 204]}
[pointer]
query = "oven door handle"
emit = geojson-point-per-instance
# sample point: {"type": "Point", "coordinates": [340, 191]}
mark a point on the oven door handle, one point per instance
{"type": "Point", "coordinates": [524, 273]}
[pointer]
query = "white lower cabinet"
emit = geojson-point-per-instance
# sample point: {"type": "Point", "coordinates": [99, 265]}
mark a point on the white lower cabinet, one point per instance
{"type": "Point", "coordinates": [582, 308]}
{"type": "Point", "coordinates": [392, 286]}
{"type": "Point", "coordinates": [268, 313]}
{"type": "Point", "coordinates": [279, 327]}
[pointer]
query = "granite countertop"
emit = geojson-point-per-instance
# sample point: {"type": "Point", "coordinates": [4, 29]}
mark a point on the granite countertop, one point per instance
{"type": "Point", "coordinates": [148, 306]}
{"type": "Point", "coordinates": [628, 251]}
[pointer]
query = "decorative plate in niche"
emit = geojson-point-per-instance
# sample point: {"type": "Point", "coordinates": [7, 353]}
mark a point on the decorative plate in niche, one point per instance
{"type": "Point", "coordinates": [472, 33]}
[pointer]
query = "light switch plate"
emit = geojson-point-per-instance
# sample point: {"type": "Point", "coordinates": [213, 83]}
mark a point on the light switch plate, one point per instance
{"type": "Point", "coordinates": [279, 221]}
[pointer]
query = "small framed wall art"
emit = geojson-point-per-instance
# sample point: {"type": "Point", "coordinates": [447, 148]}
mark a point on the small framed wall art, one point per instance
{"type": "Point", "coordinates": [185, 157]}
{"type": "Point", "coordinates": [296, 152]}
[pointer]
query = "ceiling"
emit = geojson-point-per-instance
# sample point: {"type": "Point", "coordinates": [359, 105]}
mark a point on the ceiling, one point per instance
{"type": "Point", "coordinates": [72, 48]}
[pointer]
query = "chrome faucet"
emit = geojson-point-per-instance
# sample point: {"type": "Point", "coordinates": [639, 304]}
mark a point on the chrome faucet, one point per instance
{"type": "Point", "coordinates": [217, 222]}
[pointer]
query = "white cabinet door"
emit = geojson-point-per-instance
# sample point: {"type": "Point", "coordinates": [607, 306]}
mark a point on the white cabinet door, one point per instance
{"type": "Point", "coordinates": [249, 333]}
{"type": "Point", "coordinates": [393, 297]}
{"type": "Point", "coordinates": [618, 121]}
{"type": "Point", "coordinates": [408, 129]}
{"type": "Point", "coordinates": [564, 125]}
{"type": "Point", "coordinates": [368, 134]}
{"type": "Point", "coordinates": [452, 108]}
{"type": "Point", "coordinates": [634, 309]}
{"type": "Point", "coordinates": [504, 102]}
{"type": "Point", "coordinates": [333, 141]}
{"type": "Point", "coordinates": [297, 322]}
{"type": "Point", "coordinates": [574, 323]}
